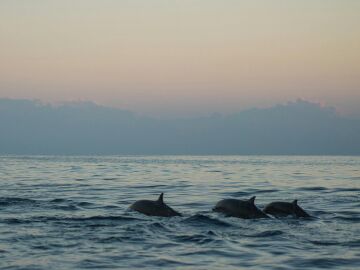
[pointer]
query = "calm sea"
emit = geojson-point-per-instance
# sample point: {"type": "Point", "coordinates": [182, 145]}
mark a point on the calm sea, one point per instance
{"type": "Point", "coordinates": [72, 212]}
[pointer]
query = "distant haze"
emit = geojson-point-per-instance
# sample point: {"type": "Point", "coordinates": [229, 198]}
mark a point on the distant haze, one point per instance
{"type": "Point", "coordinates": [301, 127]}
{"type": "Point", "coordinates": [182, 58]}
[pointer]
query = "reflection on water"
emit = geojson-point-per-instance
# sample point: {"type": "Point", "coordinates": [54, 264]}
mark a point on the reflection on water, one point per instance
{"type": "Point", "coordinates": [72, 212]}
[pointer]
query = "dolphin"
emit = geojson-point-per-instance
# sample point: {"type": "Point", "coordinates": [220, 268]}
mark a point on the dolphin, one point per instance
{"type": "Point", "coordinates": [154, 208]}
{"type": "Point", "coordinates": [239, 208]}
{"type": "Point", "coordinates": [283, 209]}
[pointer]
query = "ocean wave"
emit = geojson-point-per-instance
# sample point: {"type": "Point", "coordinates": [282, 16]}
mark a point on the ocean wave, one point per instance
{"type": "Point", "coordinates": [12, 201]}
{"type": "Point", "coordinates": [58, 203]}
{"type": "Point", "coordinates": [354, 243]}
{"type": "Point", "coordinates": [348, 218]}
{"type": "Point", "coordinates": [49, 220]}
{"type": "Point", "coordinates": [330, 262]}
{"type": "Point", "coordinates": [195, 238]}
{"type": "Point", "coordinates": [312, 188]}
{"type": "Point", "coordinates": [202, 220]}
{"type": "Point", "coordinates": [69, 220]}
{"type": "Point", "coordinates": [269, 233]}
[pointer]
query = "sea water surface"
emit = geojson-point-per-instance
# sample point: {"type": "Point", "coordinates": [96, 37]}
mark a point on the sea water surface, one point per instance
{"type": "Point", "coordinates": [72, 212]}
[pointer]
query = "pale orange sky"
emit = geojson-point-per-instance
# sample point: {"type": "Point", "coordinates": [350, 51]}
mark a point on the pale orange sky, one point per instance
{"type": "Point", "coordinates": [182, 57]}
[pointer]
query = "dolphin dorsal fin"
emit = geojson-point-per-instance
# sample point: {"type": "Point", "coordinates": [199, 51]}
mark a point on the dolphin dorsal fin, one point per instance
{"type": "Point", "coordinates": [252, 200]}
{"type": "Point", "coordinates": [294, 202]}
{"type": "Point", "coordinates": [161, 198]}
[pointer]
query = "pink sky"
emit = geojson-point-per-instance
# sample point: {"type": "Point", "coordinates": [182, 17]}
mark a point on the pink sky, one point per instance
{"type": "Point", "coordinates": [182, 57]}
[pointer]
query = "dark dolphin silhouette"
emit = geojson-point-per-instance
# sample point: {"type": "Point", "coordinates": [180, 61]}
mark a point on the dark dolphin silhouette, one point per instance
{"type": "Point", "coordinates": [239, 208]}
{"type": "Point", "coordinates": [283, 209]}
{"type": "Point", "coordinates": [154, 208]}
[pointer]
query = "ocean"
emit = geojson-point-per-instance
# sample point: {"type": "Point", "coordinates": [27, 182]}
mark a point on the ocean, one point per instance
{"type": "Point", "coordinates": [65, 212]}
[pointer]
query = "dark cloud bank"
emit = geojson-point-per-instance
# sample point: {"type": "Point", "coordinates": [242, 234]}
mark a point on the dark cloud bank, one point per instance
{"type": "Point", "coordinates": [303, 128]}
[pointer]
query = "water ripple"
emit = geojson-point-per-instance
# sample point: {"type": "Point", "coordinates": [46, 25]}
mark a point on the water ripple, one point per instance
{"type": "Point", "coordinates": [73, 212]}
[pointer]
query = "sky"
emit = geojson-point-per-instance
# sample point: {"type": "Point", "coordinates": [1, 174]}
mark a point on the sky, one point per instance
{"type": "Point", "coordinates": [182, 57]}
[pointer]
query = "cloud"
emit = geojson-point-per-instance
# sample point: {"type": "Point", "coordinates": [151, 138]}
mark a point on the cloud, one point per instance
{"type": "Point", "coordinates": [84, 128]}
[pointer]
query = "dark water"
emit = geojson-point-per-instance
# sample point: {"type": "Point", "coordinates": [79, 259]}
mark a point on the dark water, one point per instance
{"type": "Point", "coordinates": [72, 213]}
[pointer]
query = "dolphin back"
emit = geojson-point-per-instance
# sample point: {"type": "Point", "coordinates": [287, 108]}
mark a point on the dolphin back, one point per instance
{"type": "Point", "coordinates": [239, 208]}
{"type": "Point", "coordinates": [283, 209]}
{"type": "Point", "coordinates": [299, 212]}
{"type": "Point", "coordinates": [154, 208]}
